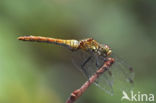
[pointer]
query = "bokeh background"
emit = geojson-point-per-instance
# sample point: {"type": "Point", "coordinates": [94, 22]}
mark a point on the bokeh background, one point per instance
{"type": "Point", "coordinates": [43, 73]}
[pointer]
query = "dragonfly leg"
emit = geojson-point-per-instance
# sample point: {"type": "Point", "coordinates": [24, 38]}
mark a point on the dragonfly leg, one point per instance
{"type": "Point", "coordinates": [98, 64]}
{"type": "Point", "coordinates": [84, 63]}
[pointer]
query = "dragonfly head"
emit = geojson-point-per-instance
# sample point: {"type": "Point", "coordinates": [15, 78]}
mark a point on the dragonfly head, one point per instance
{"type": "Point", "coordinates": [107, 50]}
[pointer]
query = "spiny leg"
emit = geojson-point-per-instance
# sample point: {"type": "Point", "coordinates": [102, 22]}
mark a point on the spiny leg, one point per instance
{"type": "Point", "coordinates": [84, 63]}
{"type": "Point", "coordinates": [98, 63]}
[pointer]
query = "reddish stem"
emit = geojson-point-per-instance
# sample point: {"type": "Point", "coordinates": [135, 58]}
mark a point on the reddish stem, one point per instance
{"type": "Point", "coordinates": [77, 93]}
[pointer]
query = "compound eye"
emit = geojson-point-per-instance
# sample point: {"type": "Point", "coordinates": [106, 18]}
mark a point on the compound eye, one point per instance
{"type": "Point", "coordinates": [109, 52]}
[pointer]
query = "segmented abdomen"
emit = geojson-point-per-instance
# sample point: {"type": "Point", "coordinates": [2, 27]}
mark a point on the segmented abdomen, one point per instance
{"type": "Point", "coordinates": [72, 44]}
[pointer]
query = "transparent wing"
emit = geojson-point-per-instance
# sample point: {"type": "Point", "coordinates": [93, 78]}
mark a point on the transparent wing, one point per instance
{"type": "Point", "coordinates": [122, 74]}
{"type": "Point", "coordinates": [119, 76]}
{"type": "Point", "coordinates": [105, 82]}
{"type": "Point", "coordinates": [85, 62]}
{"type": "Point", "coordinates": [89, 64]}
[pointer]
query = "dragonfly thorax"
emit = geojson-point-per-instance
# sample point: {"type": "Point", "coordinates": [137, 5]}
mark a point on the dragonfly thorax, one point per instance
{"type": "Point", "coordinates": [93, 46]}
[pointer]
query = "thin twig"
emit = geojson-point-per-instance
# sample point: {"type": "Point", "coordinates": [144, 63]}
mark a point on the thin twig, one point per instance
{"type": "Point", "coordinates": [77, 93]}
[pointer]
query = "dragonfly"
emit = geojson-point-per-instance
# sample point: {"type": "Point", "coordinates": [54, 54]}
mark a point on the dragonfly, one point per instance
{"type": "Point", "coordinates": [88, 56]}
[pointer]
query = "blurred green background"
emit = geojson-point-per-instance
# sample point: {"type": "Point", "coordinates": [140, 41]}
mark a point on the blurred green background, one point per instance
{"type": "Point", "coordinates": [43, 73]}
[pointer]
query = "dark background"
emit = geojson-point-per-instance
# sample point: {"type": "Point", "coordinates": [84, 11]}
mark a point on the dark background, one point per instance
{"type": "Point", "coordinates": [43, 73]}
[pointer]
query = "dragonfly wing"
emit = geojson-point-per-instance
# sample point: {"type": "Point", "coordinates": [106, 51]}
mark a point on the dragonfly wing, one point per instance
{"type": "Point", "coordinates": [105, 82]}
{"type": "Point", "coordinates": [85, 62]}
{"type": "Point", "coordinates": [122, 75]}
{"type": "Point", "coordinates": [93, 64]}
{"type": "Point", "coordinates": [126, 70]}
{"type": "Point", "coordinates": [119, 76]}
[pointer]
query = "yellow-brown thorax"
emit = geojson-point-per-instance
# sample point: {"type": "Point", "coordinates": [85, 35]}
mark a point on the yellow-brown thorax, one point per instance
{"type": "Point", "coordinates": [93, 46]}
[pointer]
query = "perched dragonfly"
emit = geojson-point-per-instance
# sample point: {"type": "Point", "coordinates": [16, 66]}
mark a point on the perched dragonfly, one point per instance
{"type": "Point", "coordinates": [89, 56]}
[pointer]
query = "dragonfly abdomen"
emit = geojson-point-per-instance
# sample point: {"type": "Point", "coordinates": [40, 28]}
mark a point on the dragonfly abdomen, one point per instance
{"type": "Point", "coordinates": [72, 44]}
